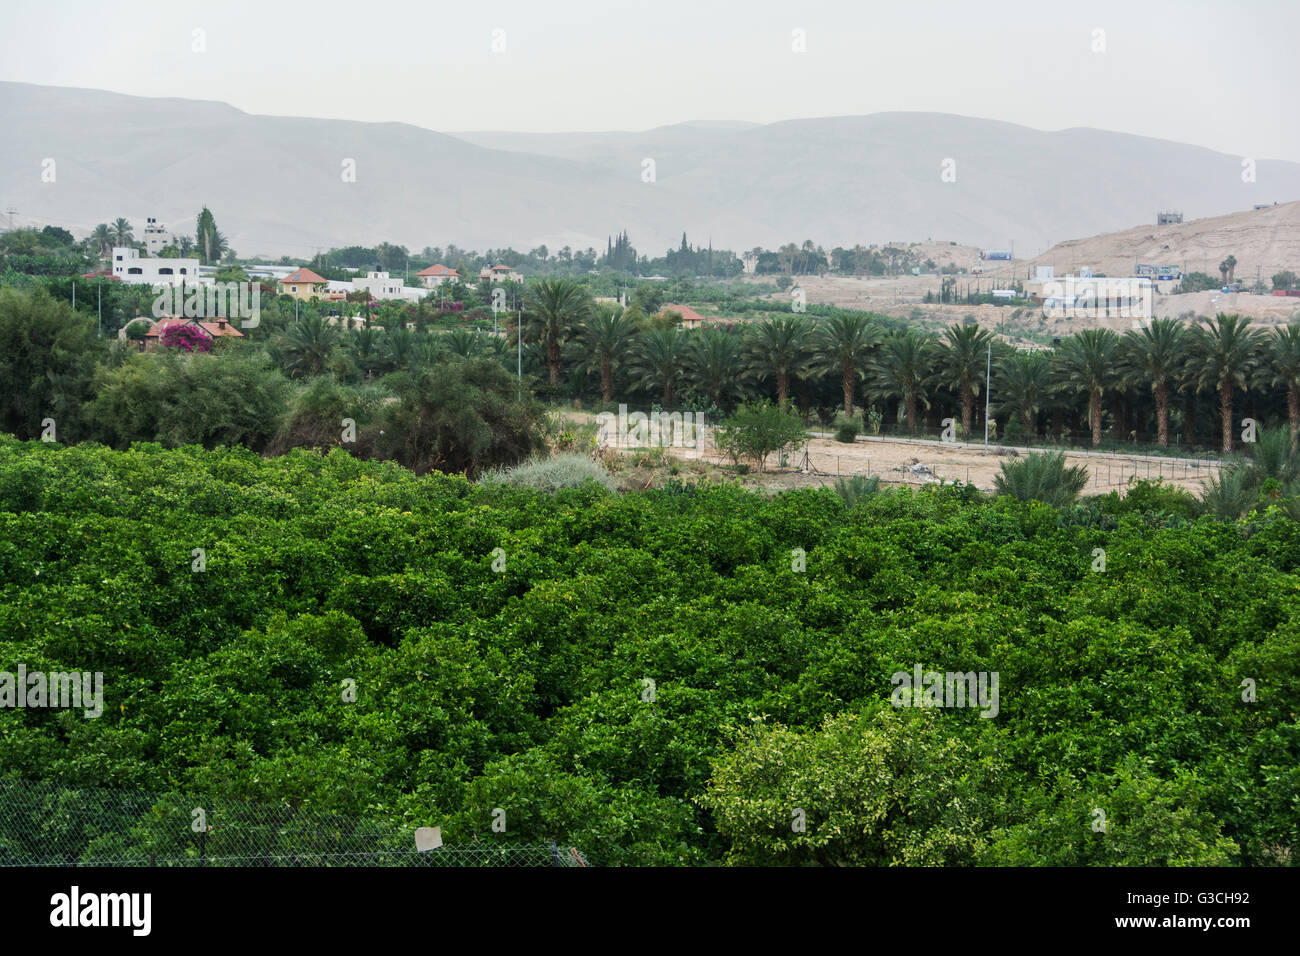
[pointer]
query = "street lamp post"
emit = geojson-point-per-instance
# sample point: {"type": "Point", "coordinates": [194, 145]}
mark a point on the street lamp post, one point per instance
{"type": "Point", "coordinates": [988, 379]}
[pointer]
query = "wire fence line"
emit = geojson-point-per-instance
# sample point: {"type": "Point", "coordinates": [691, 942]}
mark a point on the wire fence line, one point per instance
{"type": "Point", "coordinates": [45, 824]}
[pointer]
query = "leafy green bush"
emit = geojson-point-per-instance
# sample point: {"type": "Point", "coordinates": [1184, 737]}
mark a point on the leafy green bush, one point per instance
{"type": "Point", "coordinates": [47, 363]}
{"type": "Point", "coordinates": [462, 416]}
{"type": "Point", "coordinates": [226, 397]}
{"type": "Point", "coordinates": [755, 431]}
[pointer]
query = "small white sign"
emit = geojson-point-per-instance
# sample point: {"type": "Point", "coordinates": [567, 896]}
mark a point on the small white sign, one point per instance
{"type": "Point", "coordinates": [428, 838]}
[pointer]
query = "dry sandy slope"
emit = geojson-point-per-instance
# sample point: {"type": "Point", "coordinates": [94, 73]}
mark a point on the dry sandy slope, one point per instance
{"type": "Point", "coordinates": [1264, 241]}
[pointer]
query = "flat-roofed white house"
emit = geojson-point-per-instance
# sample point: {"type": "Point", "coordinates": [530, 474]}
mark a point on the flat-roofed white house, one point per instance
{"type": "Point", "coordinates": [382, 286]}
{"type": "Point", "coordinates": [130, 266]}
{"type": "Point", "coordinates": [435, 276]}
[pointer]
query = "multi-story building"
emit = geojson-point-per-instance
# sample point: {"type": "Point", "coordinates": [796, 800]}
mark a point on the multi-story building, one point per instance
{"type": "Point", "coordinates": [156, 237]}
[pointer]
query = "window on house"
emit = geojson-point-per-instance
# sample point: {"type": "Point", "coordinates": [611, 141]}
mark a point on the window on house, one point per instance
{"type": "Point", "coordinates": [135, 271]}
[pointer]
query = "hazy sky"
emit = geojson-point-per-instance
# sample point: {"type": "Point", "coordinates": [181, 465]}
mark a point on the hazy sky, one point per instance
{"type": "Point", "coordinates": [1217, 74]}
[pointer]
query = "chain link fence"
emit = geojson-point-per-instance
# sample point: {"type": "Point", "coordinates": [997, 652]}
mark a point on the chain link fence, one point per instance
{"type": "Point", "coordinates": [44, 824]}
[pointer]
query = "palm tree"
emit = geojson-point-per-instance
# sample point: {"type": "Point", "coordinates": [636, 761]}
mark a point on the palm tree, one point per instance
{"type": "Point", "coordinates": [962, 361]}
{"type": "Point", "coordinates": [607, 335]}
{"type": "Point", "coordinates": [1283, 368]}
{"type": "Point", "coordinates": [714, 360]}
{"type": "Point", "coordinates": [1087, 362]}
{"type": "Point", "coordinates": [1225, 353]}
{"type": "Point", "coordinates": [660, 359]}
{"type": "Point", "coordinates": [1024, 386]}
{"type": "Point", "coordinates": [463, 343]}
{"type": "Point", "coordinates": [122, 234]}
{"type": "Point", "coordinates": [102, 237]}
{"type": "Point", "coordinates": [1272, 475]}
{"type": "Point", "coordinates": [1227, 268]}
{"type": "Point", "coordinates": [365, 349]}
{"type": "Point", "coordinates": [901, 369]}
{"type": "Point", "coordinates": [1155, 354]}
{"type": "Point", "coordinates": [778, 347]}
{"type": "Point", "coordinates": [1230, 495]}
{"type": "Point", "coordinates": [1042, 476]}
{"type": "Point", "coordinates": [305, 348]}
{"type": "Point", "coordinates": [186, 245]}
{"type": "Point", "coordinates": [554, 309]}
{"type": "Point", "coordinates": [843, 344]}
{"type": "Point", "coordinates": [398, 348]}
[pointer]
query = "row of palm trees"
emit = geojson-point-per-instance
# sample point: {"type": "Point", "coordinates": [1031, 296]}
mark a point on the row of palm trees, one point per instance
{"type": "Point", "coordinates": [782, 357]}
{"type": "Point", "coordinates": [1163, 357]}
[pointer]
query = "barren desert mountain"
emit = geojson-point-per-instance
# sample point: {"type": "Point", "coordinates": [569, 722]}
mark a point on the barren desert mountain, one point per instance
{"type": "Point", "coordinates": [1263, 241]}
{"type": "Point", "coordinates": [277, 185]}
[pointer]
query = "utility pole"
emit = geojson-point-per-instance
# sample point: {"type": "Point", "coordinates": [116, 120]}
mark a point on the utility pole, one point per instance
{"type": "Point", "coordinates": [99, 289]}
{"type": "Point", "coordinates": [521, 355]}
{"type": "Point", "coordinates": [988, 379]}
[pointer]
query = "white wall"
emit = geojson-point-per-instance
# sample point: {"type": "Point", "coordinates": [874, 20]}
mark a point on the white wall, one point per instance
{"type": "Point", "coordinates": [129, 266]}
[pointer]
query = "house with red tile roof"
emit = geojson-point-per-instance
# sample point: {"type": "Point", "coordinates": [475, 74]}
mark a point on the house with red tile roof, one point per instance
{"type": "Point", "coordinates": [302, 284]}
{"type": "Point", "coordinates": [216, 328]}
{"type": "Point", "coordinates": [692, 319]}
{"type": "Point", "coordinates": [435, 276]}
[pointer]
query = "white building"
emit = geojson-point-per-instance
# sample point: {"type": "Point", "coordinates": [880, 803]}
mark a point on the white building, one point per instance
{"type": "Point", "coordinates": [500, 274]}
{"type": "Point", "coordinates": [129, 266]}
{"type": "Point", "coordinates": [156, 238]}
{"type": "Point", "coordinates": [379, 285]}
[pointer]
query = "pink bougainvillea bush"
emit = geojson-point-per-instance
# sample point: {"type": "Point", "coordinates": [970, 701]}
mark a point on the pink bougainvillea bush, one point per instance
{"type": "Point", "coordinates": [191, 338]}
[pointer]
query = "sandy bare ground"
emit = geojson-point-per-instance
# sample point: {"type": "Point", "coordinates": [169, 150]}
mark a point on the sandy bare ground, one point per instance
{"type": "Point", "coordinates": [923, 461]}
{"type": "Point", "coordinates": [906, 462]}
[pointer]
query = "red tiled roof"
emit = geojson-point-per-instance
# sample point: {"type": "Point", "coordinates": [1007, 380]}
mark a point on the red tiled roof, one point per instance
{"type": "Point", "coordinates": [305, 276]}
{"type": "Point", "coordinates": [213, 328]}
{"type": "Point", "coordinates": [438, 270]}
{"type": "Point", "coordinates": [686, 312]}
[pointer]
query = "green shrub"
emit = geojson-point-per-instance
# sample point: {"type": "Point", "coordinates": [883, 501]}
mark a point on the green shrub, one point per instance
{"type": "Point", "coordinates": [854, 489]}
{"type": "Point", "coordinates": [553, 474]}
{"type": "Point", "coordinates": [756, 430]}
{"type": "Point", "coordinates": [1042, 476]}
{"type": "Point", "coordinates": [223, 397]}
